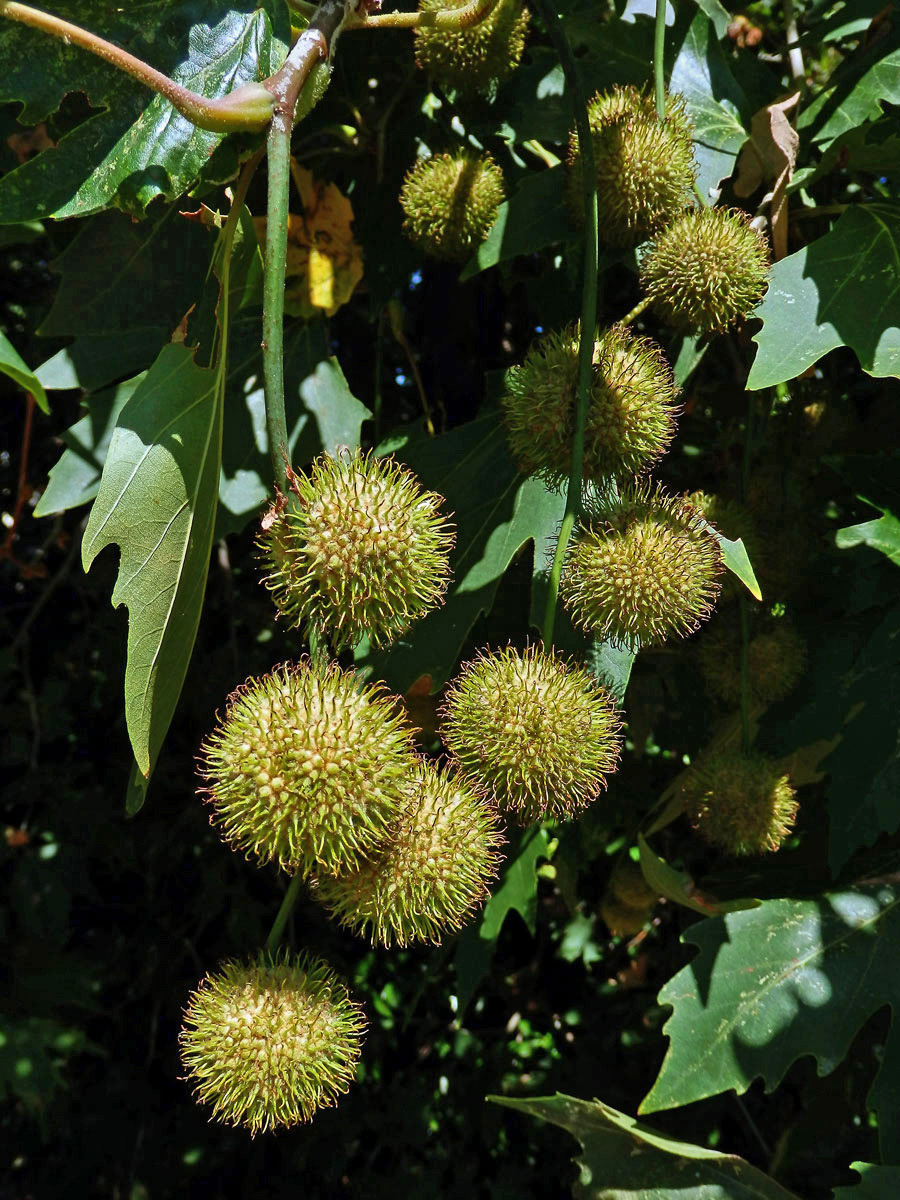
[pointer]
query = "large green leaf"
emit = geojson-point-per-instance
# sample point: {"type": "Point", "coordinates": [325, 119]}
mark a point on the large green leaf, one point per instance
{"type": "Point", "coordinates": [858, 88]}
{"type": "Point", "coordinates": [121, 276]}
{"type": "Point", "coordinates": [624, 1160]}
{"type": "Point", "coordinates": [533, 217]}
{"type": "Point", "coordinates": [840, 290]}
{"type": "Point", "coordinates": [715, 101]}
{"type": "Point", "coordinates": [157, 501]}
{"type": "Point", "coordinates": [516, 892]}
{"type": "Point", "coordinates": [135, 146]}
{"type": "Point", "coordinates": [11, 364]}
{"type": "Point", "coordinates": [496, 512]}
{"type": "Point", "coordinates": [876, 1183]}
{"type": "Point", "coordinates": [773, 983]}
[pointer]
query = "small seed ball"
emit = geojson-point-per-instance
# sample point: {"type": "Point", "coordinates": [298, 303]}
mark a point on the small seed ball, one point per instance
{"type": "Point", "coordinates": [643, 569]}
{"type": "Point", "coordinates": [267, 1043]}
{"type": "Point", "coordinates": [622, 920]}
{"type": "Point", "coordinates": [430, 874]}
{"type": "Point", "coordinates": [357, 549]}
{"type": "Point", "coordinates": [628, 885]}
{"type": "Point", "coordinates": [631, 410]}
{"type": "Point", "coordinates": [709, 269]}
{"type": "Point", "coordinates": [537, 734]}
{"type": "Point", "coordinates": [307, 768]}
{"type": "Point", "coordinates": [451, 202]}
{"type": "Point", "coordinates": [744, 804]}
{"type": "Point", "coordinates": [645, 167]}
{"type": "Point", "coordinates": [473, 61]}
{"type": "Point", "coordinates": [776, 658]}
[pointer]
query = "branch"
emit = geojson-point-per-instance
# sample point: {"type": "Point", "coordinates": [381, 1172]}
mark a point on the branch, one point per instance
{"type": "Point", "coordinates": [313, 46]}
{"type": "Point", "coordinates": [557, 32]}
{"type": "Point", "coordinates": [248, 107]}
{"type": "Point", "coordinates": [450, 19]}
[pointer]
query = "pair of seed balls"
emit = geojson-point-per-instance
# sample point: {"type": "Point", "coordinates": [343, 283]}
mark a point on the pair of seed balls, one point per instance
{"type": "Point", "coordinates": [703, 269]}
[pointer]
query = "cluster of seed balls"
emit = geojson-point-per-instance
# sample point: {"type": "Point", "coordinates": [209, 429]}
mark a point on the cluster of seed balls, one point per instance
{"type": "Point", "coordinates": [314, 770]}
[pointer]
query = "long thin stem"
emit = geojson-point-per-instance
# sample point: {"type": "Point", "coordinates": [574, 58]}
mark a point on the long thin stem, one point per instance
{"type": "Point", "coordinates": [588, 305]}
{"type": "Point", "coordinates": [448, 19]}
{"type": "Point", "coordinates": [313, 45]}
{"type": "Point", "coordinates": [246, 108]}
{"type": "Point", "coordinates": [637, 310]}
{"type": "Point", "coordinates": [744, 606]}
{"type": "Point", "coordinates": [659, 55]}
{"type": "Point", "coordinates": [281, 918]}
{"type": "Point", "coordinates": [795, 53]}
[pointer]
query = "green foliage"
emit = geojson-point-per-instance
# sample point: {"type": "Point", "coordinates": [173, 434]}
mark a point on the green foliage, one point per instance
{"type": "Point", "coordinates": [13, 366]}
{"type": "Point", "coordinates": [623, 1159]}
{"type": "Point", "coordinates": [164, 459]}
{"type": "Point", "coordinates": [131, 285]}
{"type": "Point", "coordinates": [132, 151]}
{"type": "Point", "coordinates": [791, 977]}
{"type": "Point", "coordinates": [840, 291]}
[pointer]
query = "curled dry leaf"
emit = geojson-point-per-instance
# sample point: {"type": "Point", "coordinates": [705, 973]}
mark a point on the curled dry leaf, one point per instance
{"type": "Point", "coordinates": [324, 262]}
{"type": "Point", "coordinates": [769, 157]}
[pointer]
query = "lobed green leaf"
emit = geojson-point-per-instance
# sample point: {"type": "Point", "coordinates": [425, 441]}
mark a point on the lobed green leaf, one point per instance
{"type": "Point", "coordinates": [773, 983]}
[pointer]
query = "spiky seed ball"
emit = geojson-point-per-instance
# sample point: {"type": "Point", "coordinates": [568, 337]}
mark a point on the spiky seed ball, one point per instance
{"type": "Point", "coordinates": [430, 874]}
{"type": "Point", "coordinates": [474, 60]}
{"type": "Point", "coordinates": [357, 548]}
{"type": "Point", "coordinates": [645, 167]}
{"type": "Point", "coordinates": [451, 202]}
{"type": "Point", "coordinates": [531, 731]}
{"type": "Point", "coordinates": [266, 1043]}
{"type": "Point", "coordinates": [621, 919]}
{"type": "Point", "coordinates": [707, 270]}
{"type": "Point", "coordinates": [776, 661]}
{"type": "Point", "coordinates": [631, 408]}
{"type": "Point", "coordinates": [643, 569]}
{"type": "Point", "coordinates": [628, 885]}
{"type": "Point", "coordinates": [307, 768]}
{"type": "Point", "coordinates": [742, 803]}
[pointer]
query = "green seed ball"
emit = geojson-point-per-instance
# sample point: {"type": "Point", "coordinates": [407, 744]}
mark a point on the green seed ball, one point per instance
{"type": "Point", "coordinates": [628, 886]}
{"type": "Point", "coordinates": [708, 270]}
{"type": "Point", "coordinates": [531, 731]}
{"type": "Point", "coordinates": [645, 167]}
{"type": "Point", "coordinates": [267, 1043]}
{"type": "Point", "coordinates": [451, 202]}
{"type": "Point", "coordinates": [645, 568]}
{"type": "Point", "coordinates": [631, 406]}
{"type": "Point", "coordinates": [744, 804]}
{"type": "Point", "coordinates": [357, 548]}
{"type": "Point", "coordinates": [776, 660]}
{"type": "Point", "coordinates": [431, 873]}
{"type": "Point", "coordinates": [307, 768]}
{"type": "Point", "coordinates": [622, 920]}
{"type": "Point", "coordinates": [473, 61]}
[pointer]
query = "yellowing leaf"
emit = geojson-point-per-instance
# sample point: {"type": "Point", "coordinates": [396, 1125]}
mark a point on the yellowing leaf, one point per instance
{"type": "Point", "coordinates": [324, 263]}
